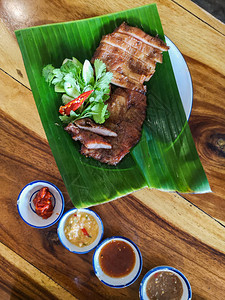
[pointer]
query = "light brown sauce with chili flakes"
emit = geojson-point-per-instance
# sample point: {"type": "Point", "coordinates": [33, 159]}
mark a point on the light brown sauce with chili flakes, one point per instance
{"type": "Point", "coordinates": [117, 259]}
{"type": "Point", "coordinates": [164, 286]}
{"type": "Point", "coordinates": [81, 229]}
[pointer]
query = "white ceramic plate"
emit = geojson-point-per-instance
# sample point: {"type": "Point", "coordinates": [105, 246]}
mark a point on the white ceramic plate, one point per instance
{"type": "Point", "coordinates": [183, 77]}
{"type": "Point", "coordinates": [26, 207]}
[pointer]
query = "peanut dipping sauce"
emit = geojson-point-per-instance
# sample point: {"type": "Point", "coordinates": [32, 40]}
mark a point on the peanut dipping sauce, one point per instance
{"type": "Point", "coordinates": [81, 229]}
{"type": "Point", "coordinates": [164, 286]}
{"type": "Point", "coordinates": [117, 259]}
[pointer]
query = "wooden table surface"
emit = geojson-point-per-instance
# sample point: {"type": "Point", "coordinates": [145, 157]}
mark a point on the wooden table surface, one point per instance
{"type": "Point", "coordinates": [184, 231]}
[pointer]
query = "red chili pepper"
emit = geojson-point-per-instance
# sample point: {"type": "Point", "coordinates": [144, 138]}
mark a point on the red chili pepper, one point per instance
{"type": "Point", "coordinates": [74, 104]}
{"type": "Point", "coordinates": [85, 231]}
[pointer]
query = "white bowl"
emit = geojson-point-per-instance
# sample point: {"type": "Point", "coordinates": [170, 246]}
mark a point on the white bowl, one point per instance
{"type": "Point", "coordinates": [67, 244]}
{"type": "Point", "coordinates": [187, 294]}
{"type": "Point", "coordinates": [120, 282]}
{"type": "Point", "coordinates": [26, 206]}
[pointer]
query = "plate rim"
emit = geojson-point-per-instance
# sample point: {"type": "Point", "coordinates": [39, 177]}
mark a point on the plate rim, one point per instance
{"type": "Point", "coordinates": [189, 74]}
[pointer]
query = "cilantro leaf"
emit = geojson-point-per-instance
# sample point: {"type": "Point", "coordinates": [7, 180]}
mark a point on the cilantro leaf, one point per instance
{"type": "Point", "coordinates": [100, 68]}
{"type": "Point", "coordinates": [99, 111]}
{"type": "Point", "coordinates": [104, 81]}
{"type": "Point", "coordinates": [68, 119]}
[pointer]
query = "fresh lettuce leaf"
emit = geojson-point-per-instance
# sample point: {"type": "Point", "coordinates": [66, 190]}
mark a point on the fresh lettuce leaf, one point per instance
{"type": "Point", "coordinates": [48, 74]}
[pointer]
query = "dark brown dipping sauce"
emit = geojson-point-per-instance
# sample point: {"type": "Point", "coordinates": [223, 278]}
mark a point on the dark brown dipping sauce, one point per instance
{"type": "Point", "coordinates": [117, 259]}
{"type": "Point", "coordinates": [164, 286]}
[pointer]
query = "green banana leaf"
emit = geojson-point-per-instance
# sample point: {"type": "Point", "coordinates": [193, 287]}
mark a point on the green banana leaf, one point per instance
{"type": "Point", "coordinates": [165, 158]}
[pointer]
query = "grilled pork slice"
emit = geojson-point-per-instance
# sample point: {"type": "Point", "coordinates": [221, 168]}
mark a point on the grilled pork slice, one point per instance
{"type": "Point", "coordinates": [117, 41]}
{"type": "Point", "coordinates": [118, 61]}
{"type": "Point", "coordinates": [134, 64]}
{"type": "Point", "coordinates": [88, 139]}
{"type": "Point", "coordinates": [146, 49]}
{"type": "Point", "coordinates": [129, 83]}
{"type": "Point", "coordinates": [127, 113]}
{"type": "Point", "coordinates": [88, 124]}
{"type": "Point", "coordinates": [142, 36]}
{"type": "Point", "coordinates": [131, 54]}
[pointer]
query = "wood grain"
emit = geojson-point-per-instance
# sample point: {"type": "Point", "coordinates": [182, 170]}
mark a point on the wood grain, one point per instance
{"type": "Point", "coordinates": [207, 123]}
{"type": "Point", "coordinates": [201, 14]}
{"type": "Point", "coordinates": [20, 280]}
{"type": "Point", "coordinates": [168, 229]}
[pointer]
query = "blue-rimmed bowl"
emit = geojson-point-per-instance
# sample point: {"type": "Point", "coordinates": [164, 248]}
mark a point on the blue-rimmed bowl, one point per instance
{"type": "Point", "coordinates": [187, 294]}
{"type": "Point", "coordinates": [67, 244]}
{"type": "Point", "coordinates": [120, 282]}
{"type": "Point", "coordinates": [26, 206]}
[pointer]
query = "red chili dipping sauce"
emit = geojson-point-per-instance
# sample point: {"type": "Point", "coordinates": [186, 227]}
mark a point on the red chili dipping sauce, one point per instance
{"type": "Point", "coordinates": [117, 259]}
{"type": "Point", "coordinates": [164, 286]}
{"type": "Point", "coordinates": [43, 203]}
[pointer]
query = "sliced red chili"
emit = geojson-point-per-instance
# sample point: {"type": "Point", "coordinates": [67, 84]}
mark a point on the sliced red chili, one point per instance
{"type": "Point", "coordinates": [85, 231]}
{"type": "Point", "coordinates": [74, 104]}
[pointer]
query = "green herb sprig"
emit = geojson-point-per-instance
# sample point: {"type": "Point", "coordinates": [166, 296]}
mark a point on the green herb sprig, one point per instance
{"type": "Point", "coordinates": [72, 79]}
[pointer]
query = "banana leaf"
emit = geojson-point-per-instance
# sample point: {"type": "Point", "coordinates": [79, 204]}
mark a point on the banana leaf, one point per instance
{"type": "Point", "coordinates": [165, 158]}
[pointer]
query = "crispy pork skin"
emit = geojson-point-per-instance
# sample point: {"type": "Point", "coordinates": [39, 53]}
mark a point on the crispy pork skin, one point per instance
{"type": "Point", "coordinates": [127, 113]}
{"type": "Point", "coordinates": [88, 139]}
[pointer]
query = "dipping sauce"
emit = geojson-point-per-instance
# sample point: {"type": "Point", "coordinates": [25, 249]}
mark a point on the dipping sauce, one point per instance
{"type": "Point", "coordinates": [81, 229]}
{"type": "Point", "coordinates": [43, 203]}
{"type": "Point", "coordinates": [164, 286]}
{"type": "Point", "coordinates": [117, 259]}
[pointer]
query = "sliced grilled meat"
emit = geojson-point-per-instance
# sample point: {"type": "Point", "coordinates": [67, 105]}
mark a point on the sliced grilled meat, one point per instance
{"type": "Point", "coordinates": [111, 41]}
{"type": "Point", "coordinates": [131, 55]}
{"type": "Point", "coordinates": [88, 139]}
{"type": "Point", "coordinates": [146, 49]}
{"type": "Point", "coordinates": [127, 113]}
{"type": "Point", "coordinates": [88, 124]}
{"type": "Point", "coordinates": [116, 55]}
{"type": "Point", "coordinates": [120, 63]}
{"type": "Point", "coordinates": [126, 82]}
{"type": "Point", "coordinates": [142, 36]}
{"type": "Point", "coordinates": [124, 68]}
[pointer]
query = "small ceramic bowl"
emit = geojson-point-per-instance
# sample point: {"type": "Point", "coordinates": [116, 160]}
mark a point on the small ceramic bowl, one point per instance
{"type": "Point", "coordinates": [26, 206]}
{"type": "Point", "coordinates": [120, 282]}
{"type": "Point", "coordinates": [187, 294]}
{"type": "Point", "coordinates": [67, 244]}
